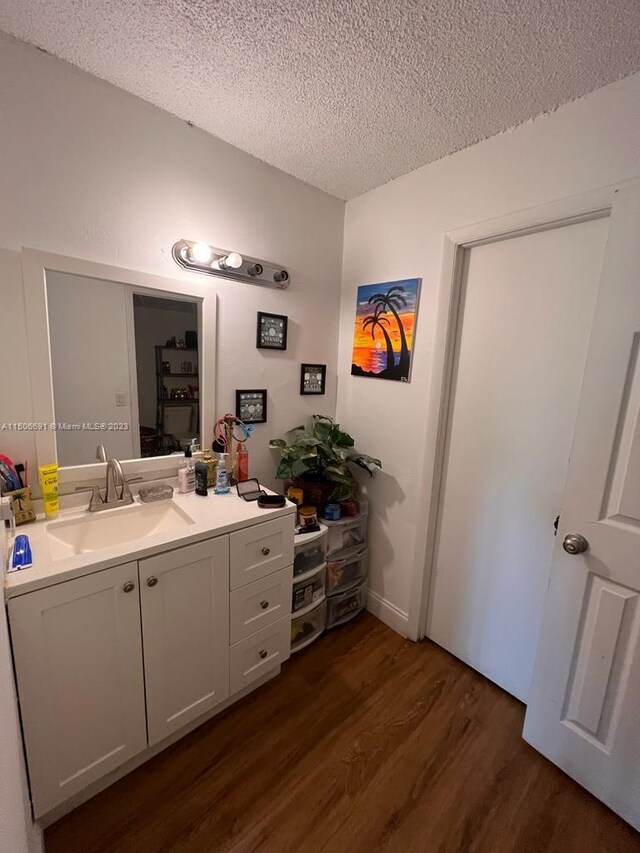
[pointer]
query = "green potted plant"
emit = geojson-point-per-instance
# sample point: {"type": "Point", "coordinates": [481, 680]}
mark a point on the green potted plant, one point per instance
{"type": "Point", "coordinates": [318, 459]}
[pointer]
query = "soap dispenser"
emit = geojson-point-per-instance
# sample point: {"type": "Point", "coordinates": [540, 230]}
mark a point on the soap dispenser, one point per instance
{"type": "Point", "coordinates": [222, 477]}
{"type": "Point", "coordinates": [187, 474]}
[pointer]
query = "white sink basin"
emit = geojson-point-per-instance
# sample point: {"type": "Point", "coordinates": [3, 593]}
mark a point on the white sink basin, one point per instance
{"type": "Point", "coordinates": [101, 530]}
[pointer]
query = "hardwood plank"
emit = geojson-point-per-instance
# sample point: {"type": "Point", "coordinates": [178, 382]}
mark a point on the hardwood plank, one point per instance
{"type": "Point", "coordinates": [366, 742]}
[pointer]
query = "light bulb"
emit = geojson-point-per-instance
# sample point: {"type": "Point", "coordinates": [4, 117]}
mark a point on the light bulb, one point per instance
{"type": "Point", "coordinates": [232, 261]}
{"type": "Point", "coordinates": [201, 253]}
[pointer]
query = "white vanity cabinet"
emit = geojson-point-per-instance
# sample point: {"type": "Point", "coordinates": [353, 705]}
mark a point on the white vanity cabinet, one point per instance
{"type": "Point", "coordinates": [185, 624]}
{"type": "Point", "coordinates": [114, 662]}
{"type": "Point", "coordinates": [77, 650]}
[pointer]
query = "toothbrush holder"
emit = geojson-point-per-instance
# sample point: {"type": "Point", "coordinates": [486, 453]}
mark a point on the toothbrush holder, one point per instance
{"type": "Point", "coordinates": [21, 505]}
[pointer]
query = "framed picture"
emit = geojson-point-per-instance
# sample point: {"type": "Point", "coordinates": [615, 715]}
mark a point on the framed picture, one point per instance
{"type": "Point", "coordinates": [384, 329]}
{"type": "Point", "coordinates": [251, 406]}
{"type": "Point", "coordinates": [272, 331]}
{"type": "Point", "coordinates": [312, 378]}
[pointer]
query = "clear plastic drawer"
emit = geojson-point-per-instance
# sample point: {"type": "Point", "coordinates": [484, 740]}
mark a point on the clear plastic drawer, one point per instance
{"type": "Point", "coordinates": [346, 568]}
{"type": "Point", "coordinates": [346, 605]}
{"type": "Point", "coordinates": [308, 592]}
{"type": "Point", "coordinates": [308, 627]}
{"type": "Point", "coordinates": [310, 552]}
{"type": "Point", "coordinates": [347, 532]}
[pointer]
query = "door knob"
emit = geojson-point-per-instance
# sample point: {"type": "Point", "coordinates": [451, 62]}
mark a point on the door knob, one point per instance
{"type": "Point", "coordinates": [264, 604]}
{"type": "Point", "coordinates": [263, 653]}
{"type": "Point", "coordinates": [129, 586]}
{"type": "Point", "coordinates": [152, 581]}
{"type": "Point", "coordinates": [574, 543]}
{"type": "Point", "coordinates": [266, 551]}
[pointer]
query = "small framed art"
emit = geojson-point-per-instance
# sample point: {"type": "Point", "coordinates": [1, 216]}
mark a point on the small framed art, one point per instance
{"type": "Point", "coordinates": [312, 378]}
{"type": "Point", "coordinates": [251, 406]}
{"type": "Point", "coordinates": [272, 331]}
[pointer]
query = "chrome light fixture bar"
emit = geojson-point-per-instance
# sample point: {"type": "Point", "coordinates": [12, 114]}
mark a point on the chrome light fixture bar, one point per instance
{"type": "Point", "coordinates": [200, 257]}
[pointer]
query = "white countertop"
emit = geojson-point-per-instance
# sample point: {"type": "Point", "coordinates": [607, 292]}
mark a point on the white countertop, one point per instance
{"type": "Point", "coordinates": [213, 515]}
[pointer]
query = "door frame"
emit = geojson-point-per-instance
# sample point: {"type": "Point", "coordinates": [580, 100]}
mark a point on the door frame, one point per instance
{"type": "Point", "coordinates": [595, 204]}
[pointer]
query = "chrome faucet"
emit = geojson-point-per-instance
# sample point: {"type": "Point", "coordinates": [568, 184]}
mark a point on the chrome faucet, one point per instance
{"type": "Point", "coordinates": [116, 492]}
{"type": "Point", "coordinates": [115, 478]}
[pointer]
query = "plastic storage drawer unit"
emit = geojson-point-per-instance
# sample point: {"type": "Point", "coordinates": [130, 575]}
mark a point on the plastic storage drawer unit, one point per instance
{"type": "Point", "coordinates": [307, 628]}
{"type": "Point", "coordinates": [346, 568]}
{"type": "Point", "coordinates": [345, 605]}
{"type": "Point", "coordinates": [310, 551]}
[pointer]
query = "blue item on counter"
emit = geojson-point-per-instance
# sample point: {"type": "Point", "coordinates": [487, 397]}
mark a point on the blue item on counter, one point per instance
{"type": "Point", "coordinates": [222, 486]}
{"type": "Point", "coordinates": [21, 558]}
{"type": "Point", "coordinates": [332, 512]}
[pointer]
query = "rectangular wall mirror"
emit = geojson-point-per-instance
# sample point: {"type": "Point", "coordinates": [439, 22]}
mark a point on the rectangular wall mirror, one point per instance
{"type": "Point", "coordinates": [120, 358]}
{"type": "Point", "coordinates": [116, 361]}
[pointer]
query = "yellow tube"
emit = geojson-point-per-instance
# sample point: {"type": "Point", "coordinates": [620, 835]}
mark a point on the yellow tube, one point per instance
{"type": "Point", "coordinates": [48, 476]}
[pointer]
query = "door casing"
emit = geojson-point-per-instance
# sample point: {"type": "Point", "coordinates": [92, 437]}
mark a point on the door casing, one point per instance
{"type": "Point", "coordinates": [595, 204]}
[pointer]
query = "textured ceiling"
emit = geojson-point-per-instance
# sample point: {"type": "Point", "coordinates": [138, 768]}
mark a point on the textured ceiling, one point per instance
{"type": "Point", "coordinates": [343, 94]}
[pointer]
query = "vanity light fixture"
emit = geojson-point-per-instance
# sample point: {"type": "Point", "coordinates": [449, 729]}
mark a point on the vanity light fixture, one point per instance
{"type": "Point", "coordinates": [201, 257]}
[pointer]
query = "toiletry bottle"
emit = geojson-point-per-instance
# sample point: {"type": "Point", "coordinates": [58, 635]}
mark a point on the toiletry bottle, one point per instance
{"type": "Point", "coordinates": [242, 462]}
{"type": "Point", "coordinates": [222, 477]}
{"type": "Point", "coordinates": [186, 474]}
{"type": "Point", "coordinates": [201, 478]}
{"type": "Point", "coordinates": [48, 476]}
{"type": "Point", "coordinates": [196, 453]}
{"type": "Point", "coordinates": [211, 464]}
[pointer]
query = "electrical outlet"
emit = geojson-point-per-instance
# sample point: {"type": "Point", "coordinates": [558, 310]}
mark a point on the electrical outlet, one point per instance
{"type": "Point", "coordinates": [121, 398]}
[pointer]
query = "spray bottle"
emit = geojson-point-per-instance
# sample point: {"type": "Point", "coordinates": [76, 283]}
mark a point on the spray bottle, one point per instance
{"type": "Point", "coordinates": [242, 461]}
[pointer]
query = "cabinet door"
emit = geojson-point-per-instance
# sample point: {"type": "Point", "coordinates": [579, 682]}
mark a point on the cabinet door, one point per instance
{"type": "Point", "coordinates": [78, 657]}
{"type": "Point", "coordinates": [185, 624]}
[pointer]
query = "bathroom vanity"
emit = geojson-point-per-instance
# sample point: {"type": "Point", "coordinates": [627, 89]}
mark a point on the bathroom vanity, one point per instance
{"type": "Point", "coordinates": [134, 623]}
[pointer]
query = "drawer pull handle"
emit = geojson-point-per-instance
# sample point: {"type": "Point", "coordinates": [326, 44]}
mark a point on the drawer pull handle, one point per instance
{"type": "Point", "coordinates": [263, 653]}
{"type": "Point", "coordinates": [264, 604]}
{"type": "Point", "coordinates": [152, 581]}
{"type": "Point", "coordinates": [129, 586]}
{"type": "Point", "coordinates": [266, 551]}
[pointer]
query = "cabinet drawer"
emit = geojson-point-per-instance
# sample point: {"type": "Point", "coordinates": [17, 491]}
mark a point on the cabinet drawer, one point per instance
{"type": "Point", "coordinates": [258, 654]}
{"type": "Point", "coordinates": [258, 604]}
{"type": "Point", "coordinates": [261, 550]}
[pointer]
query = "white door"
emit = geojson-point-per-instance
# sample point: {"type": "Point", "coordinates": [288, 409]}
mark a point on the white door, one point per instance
{"type": "Point", "coordinates": [526, 312]}
{"type": "Point", "coordinates": [584, 707]}
{"type": "Point", "coordinates": [78, 656]}
{"type": "Point", "coordinates": [185, 625]}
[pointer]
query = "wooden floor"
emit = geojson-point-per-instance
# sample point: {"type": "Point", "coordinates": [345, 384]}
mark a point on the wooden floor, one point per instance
{"type": "Point", "coordinates": [366, 742]}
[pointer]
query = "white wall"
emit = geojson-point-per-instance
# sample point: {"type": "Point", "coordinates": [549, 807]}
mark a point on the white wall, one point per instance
{"type": "Point", "coordinates": [396, 231]}
{"type": "Point", "coordinates": [92, 172]}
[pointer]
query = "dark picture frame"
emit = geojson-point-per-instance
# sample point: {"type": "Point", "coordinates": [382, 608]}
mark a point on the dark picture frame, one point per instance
{"type": "Point", "coordinates": [271, 331]}
{"type": "Point", "coordinates": [313, 385]}
{"type": "Point", "coordinates": [254, 396]}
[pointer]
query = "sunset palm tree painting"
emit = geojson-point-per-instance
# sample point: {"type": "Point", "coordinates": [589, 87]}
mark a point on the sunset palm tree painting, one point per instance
{"type": "Point", "coordinates": [384, 328]}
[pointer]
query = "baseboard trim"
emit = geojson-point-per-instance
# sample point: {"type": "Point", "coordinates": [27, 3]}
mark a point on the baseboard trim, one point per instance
{"type": "Point", "coordinates": [388, 613]}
